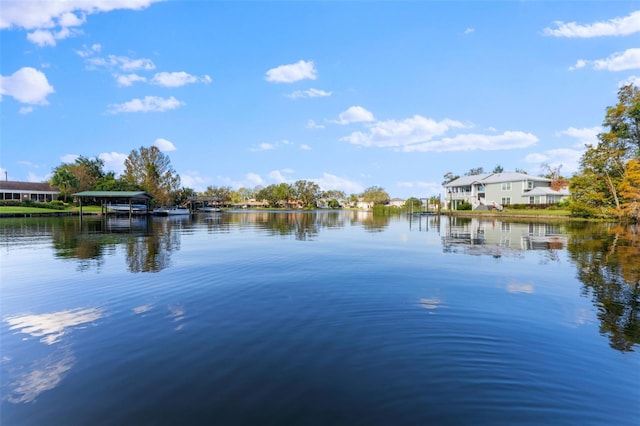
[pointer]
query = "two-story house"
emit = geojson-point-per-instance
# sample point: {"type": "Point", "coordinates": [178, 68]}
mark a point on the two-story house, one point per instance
{"type": "Point", "coordinates": [501, 189]}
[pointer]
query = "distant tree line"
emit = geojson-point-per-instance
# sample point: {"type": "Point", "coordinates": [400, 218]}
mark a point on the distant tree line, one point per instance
{"type": "Point", "coordinates": [150, 170]}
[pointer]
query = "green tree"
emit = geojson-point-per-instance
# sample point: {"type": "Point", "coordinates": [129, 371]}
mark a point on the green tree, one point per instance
{"type": "Point", "coordinates": [308, 192]}
{"type": "Point", "coordinates": [630, 190]}
{"type": "Point", "coordinates": [276, 195]}
{"type": "Point", "coordinates": [181, 195]}
{"type": "Point", "coordinates": [375, 195]}
{"type": "Point", "coordinates": [243, 194]}
{"type": "Point", "coordinates": [151, 169]}
{"type": "Point", "coordinates": [108, 182]}
{"type": "Point", "coordinates": [597, 187]}
{"type": "Point", "coordinates": [449, 177]}
{"type": "Point", "coordinates": [333, 193]}
{"type": "Point", "coordinates": [87, 172]}
{"type": "Point", "coordinates": [65, 180]}
{"type": "Point", "coordinates": [333, 203]}
{"type": "Point", "coordinates": [224, 194]}
{"type": "Point", "coordinates": [498, 169]}
{"type": "Point", "coordinates": [413, 203]}
{"type": "Point", "coordinates": [475, 171]}
{"type": "Point", "coordinates": [623, 121]}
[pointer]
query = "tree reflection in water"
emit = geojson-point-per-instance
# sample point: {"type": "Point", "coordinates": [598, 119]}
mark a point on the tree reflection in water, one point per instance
{"type": "Point", "coordinates": [148, 242]}
{"type": "Point", "coordinates": [608, 261]}
{"type": "Point", "coordinates": [607, 256]}
{"type": "Point", "coordinates": [152, 253]}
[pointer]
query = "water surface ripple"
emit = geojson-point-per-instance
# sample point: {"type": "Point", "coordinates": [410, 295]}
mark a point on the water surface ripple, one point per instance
{"type": "Point", "coordinates": [318, 319]}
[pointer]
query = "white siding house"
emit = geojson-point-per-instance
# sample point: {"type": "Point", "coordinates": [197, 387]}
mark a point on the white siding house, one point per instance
{"type": "Point", "coordinates": [34, 191]}
{"type": "Point", "coordinates": [500, 189]}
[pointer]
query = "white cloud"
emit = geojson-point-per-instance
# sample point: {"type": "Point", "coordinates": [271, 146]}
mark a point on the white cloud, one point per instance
{"type": "Point", "coordinates": [426, 188]}
{"type": "Point", "coordinates": [313, 125]}
{"type": "Point", "coordinates": [629, 59]}
{"type": "Point", "coordinates": [619, 61]}
{"type": "Point", "coordinates": [28, 164]}
{"type": "Point", "coordinates": [264, 146]}
{"type": "Point", "coordinates": [27, 85]}
{"type": "Point", "coordinates": [354, 114]}
{"type": "Point", "coordinates": [26, 110]}
{"type": "Point", "coordinates": [329, 181]}
{"type": "Point", "coordinates": [566, 158]}
{"type": "Point", "coordinates": [87, 51]}
{"type": "Point", "coordinates": [305, 147]}
{"type": "Point", "coordinates": [252, 179]}
{"type": "Point", "coordinates": [113, 161]}
{"type": "Point", "coordinates": [123, 63]}
{"type": "Point", "coordinates": [634, 79]}
{"type": "Point", "coordinates": [69, 158]}
{"type": "Point", "coordinates": [164, 145]}
{"type": "Point", "coordinates": [125, 80]}
{"type": "Point", "coordinates": [290, 73]}
{"type": "Point", "coordinates": [581, 63]}
{"type": "Point", "coordinates": [56, 17]}
{"type": "Point", "coordinates": [277, 175]}
{"type": "Point", "coordinates": [310, 93]}
{"type": "Point", "coordinates": [177, 79]}
{"type": "Point", "coordinates": [48, 38]}
{"type": "Point", "coordinates": [614, 27]}
{"type": "Point", "coordinates": [148, 104]}
{"type": "Point", "coordinates": [393, 133]}
{"type": "Point", "coordinates": [32, 177]}
{"type": "Point", "coordinates": [475, 142]}
{"type": "Point", "coordinates": [469, 31]}
{"type": "Point", "coordinates": [586, 135]}
{"type": "Point", "coordinates": [192, 179]}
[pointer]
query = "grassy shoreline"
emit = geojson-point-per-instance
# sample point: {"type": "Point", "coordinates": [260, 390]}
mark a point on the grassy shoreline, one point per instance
{"type": "Point", "coordinates": [13, 211]}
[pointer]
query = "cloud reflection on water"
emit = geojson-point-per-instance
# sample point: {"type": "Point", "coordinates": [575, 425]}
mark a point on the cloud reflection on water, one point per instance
{"type": "Point", "coordinates": [26, 382]}
{"type": "Point", "coordinates": [43, 375]}
{"type": "Point", "coordinates": [52, 326]}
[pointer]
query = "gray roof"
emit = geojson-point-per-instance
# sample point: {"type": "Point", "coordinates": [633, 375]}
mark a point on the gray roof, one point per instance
{"type": "Point", "coordinates": [8, 185]}
{"type": "Point", "coordinates": [494, 178]}
{"type": "Point", "coordinates": [540, 190]}
{"type": "Point", "coordinates": [140, 195]}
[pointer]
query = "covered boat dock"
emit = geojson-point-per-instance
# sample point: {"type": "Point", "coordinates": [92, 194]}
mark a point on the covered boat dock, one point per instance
{"type": "Point", "coordinates": [125, 199]}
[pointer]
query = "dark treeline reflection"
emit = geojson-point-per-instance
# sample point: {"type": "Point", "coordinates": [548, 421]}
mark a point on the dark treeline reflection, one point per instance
{"type": "Point", "coordinates": [608, 262]}
{"type": "Point", "coordinates": [304, 226]}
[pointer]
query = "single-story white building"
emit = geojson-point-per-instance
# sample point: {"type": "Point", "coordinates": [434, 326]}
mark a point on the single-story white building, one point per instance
{"type": "Point", "coordinates": [34, 191]}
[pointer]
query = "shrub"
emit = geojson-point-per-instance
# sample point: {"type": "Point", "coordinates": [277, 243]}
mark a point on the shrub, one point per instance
{"type": "Point", "coordinates": [464, 206]}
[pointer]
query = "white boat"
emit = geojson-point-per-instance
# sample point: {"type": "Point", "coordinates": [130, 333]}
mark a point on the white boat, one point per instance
{"type": "Point", "coordinates": [126, 208]}
{"type": "Point", "coordinates": [171, 211]}
{"type": "Point", "coordinates": [209, 209]}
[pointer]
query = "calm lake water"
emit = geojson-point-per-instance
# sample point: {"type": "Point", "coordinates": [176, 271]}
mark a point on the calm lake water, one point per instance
{"type": "Point", "coordinates": [326, 318]}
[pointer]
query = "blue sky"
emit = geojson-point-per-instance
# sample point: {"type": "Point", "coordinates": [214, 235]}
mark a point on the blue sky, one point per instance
{"type": "Point", "coordinates": [349, 94]}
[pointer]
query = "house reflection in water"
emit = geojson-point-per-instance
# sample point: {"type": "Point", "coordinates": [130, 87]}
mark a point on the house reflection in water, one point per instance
{"type": "Point", "coordinates": [478, 236]}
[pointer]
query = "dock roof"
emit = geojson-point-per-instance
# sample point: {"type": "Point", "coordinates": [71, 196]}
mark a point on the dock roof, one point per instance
{"type": "Point", "coordinates": [134, 195]}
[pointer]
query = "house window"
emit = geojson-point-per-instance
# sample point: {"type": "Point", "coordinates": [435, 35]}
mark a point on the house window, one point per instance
{"type": "Point", "coordinates": [529, 184]}
{"type": "Point", "coordinates": [534, 200]}
{"type": "Point", "coordinates": [506, 201]}
{"type": "Point", "coordinates": [506, 186]}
